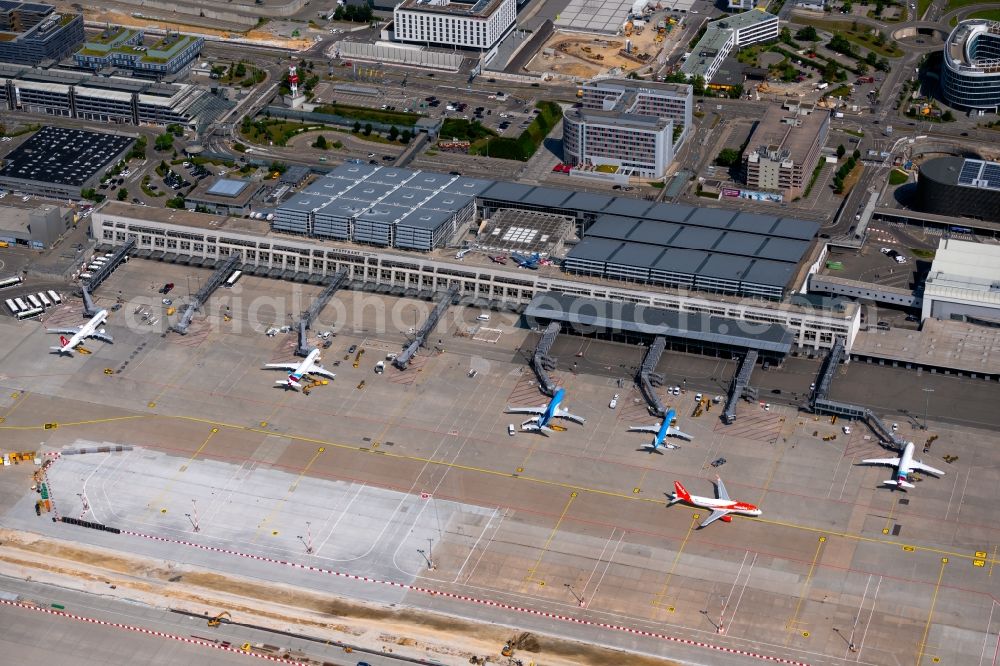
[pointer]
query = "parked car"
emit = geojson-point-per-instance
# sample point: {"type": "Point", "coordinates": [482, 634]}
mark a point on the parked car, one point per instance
{"type": "Point", "coordinates": [614, 401]}
{"type": "Point", "coordinates": [718, 462]}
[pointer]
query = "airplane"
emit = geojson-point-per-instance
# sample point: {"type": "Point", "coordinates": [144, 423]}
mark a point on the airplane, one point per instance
{"type": "Point", "coordinates": [721, 506]}
{"type": "Point", "coordinates": [81, 333]}
{"type": "Point", "coordinates": [308, 366]}
{"type": "Point", "coordinates": [904, 465]}
{"type": "Point", "coordinates": [526, 261]}
{"type": "Point", "coordinates": [663, 430]}
{"type": "Point", "coordinates": [544, 415]}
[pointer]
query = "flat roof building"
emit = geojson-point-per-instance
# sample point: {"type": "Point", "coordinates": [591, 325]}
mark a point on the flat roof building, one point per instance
{"type": "Point", "coordinates": [31, 33]}
{"type": "Point", "coordinates": [960, 187]}
{"type": "Point", "coordinates": [478, 24]}
{"type": "Point", "coordinates": [224, 196]}
{"type": "Point", "coordinates": [962, 282]}
{"type": "Point", "coordinates": [38, 228]}
{"type": "Point", "coordinates": [783, 150]}
{"type": "Point", "coordinates": [58, 162]}
{"type": "Point", "coordinates": [970, 74]}
{"type": "Point", "coordinates": [724, 35]}
{"type": "Point", "coordinates": [123, 48]}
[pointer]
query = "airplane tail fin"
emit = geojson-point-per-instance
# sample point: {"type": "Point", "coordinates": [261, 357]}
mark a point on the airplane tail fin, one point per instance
{"type": "Point", "coordinates": [680, 492]}
{"type": "Point", "coordinates": [63, 341]}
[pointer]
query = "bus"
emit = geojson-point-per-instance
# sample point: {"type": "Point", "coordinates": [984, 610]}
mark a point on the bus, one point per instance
{"type": "Point", "coordinates": [233, 278]}
{"type": "Point", "coordinates": [55, 297]}
{"type": "Point", "coordinates": [93, 267]}
{"type": "Point", "coordinates": [961, 230]}
{"type": "Point", "coordinates": [29, 313]}
{"type": "Point", "coordinates": [34, 300]}
{"type": "Point", "coordinates": [44, 299]}
{"type": "Point", "coordinates": [10, 281]}
{"type": "Point", "coordinates": [21, 305]}
{"type": "Point", "coordinates": [12, 306]}
{"type": "Point", "coordinates": [85, 276]}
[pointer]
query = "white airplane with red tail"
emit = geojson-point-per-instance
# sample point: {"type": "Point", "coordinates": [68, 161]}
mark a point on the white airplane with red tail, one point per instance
{"type": "Point", "coordinates": [91, 329]}
{"type": "Point", "coordinates": [721, 505]}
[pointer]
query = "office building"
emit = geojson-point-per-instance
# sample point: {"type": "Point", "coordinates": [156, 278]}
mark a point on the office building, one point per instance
{"type": "Point", "coordinates": [31, 33]}
{"type": "Point", "coordinates": [57, 162]}
{"type": "Point", "coordinates": [643, 98]}
{"type": "Point", "coordinates": [38, 228]}
{"type": "Point", "coordinates": [724, 35]}
{"type": "Point", "coordinates": [783, 150]}
{"type": "Point", "coordinates": [960, 187]}
{"type": "Point", "coordinates": [225, 196]}
{"type": "Point", "coordinates": [962, 282]}
{"type": "Point", "coordinates": [474, 25]}
{"type": "Point", "coordinates": [970, 75]}
{"type": "Point", "coordinates": [123, 48]}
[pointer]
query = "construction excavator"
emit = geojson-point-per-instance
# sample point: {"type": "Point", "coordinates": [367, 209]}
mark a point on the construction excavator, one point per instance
{"type": "Point", "coordinates": [217, 620]}
{"type": "Point", "coordinates": [522, 641]}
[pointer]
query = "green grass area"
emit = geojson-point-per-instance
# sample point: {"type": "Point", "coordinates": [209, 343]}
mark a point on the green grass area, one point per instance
{"type": "Point", "coordinates": [857, 133]}
{"type": "Point", "coordinates": [842, 91]}
{"type": "Point", "coordinates": [658, 184]}
{"type": "Point", "coordinates": [862, 37]}
{"type": "Point", "coordinates": [275, 131]}
{"type": "Point", "coordinates": [922, 253]}
{"type": "Point", "coordinates": [525, 145]}
{"type": "Point", "coordinates": [922, 6]}
{"type": "Point", "coordinates": [458, 129]}
{"type": "Point", "coordinates": [989, 14]}
{"type": "Point", "coordinates": [813, 178]}
{"type": "Point", "coordinates": [957, 4]}
{"type": "Point", "coordinates": [363, 114]}
{"type": "Point", "coordinates": [897, 177]}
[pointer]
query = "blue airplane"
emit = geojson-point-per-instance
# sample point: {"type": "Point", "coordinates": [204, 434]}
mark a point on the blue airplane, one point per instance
{"type": "Point", "coordinates": [663, 430]}
{"type": "Point", "coordinates": [526, 261]}
{"type": "Point", "coordinates": [543, 415]}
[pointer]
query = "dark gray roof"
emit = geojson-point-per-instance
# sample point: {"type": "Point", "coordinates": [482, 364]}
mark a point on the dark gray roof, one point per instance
{"type": "Point", "coordinates": [426, 219]}
{"type": "Point", "coordinates": [623, 316]}
{"type": "Point", "coordinates": [469, 186]}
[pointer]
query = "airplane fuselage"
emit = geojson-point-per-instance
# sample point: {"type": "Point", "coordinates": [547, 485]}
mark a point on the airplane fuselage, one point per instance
{"type": "Point", "coordinates": [550, 411]}
{"type": "Point", "coordinates": [304, 366]}
{"type": "Point", "coordinates": [664, 428]}
{"type": "Point", "coordinates": [905, 462]}
{"type": "Point", "coordinates": [85, 331]}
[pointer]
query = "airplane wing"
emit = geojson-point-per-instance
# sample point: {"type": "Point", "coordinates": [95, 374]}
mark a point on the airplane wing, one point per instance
{"type": "Point", "coordinates": [718, 513]}
{"type": "Point", "coordinates": [650, 428]}
{"type": "Point", "coordinates": [283, 366]}
{"type": "Point", "coordinates": [925, 468]}
{"type": "Point", "coordinates": [881, 461]}
{"type": "Point", "coordinates": [64, 331]}
{"type": "Point", "coordinates": [564, 414]}
{"type": "Point", "coordinates": [320, 370]}
{"type": "Point", "coordinates": [101, 336]}
{"type": "Point", "coordinates": [720, 490]}
{"type": "Point", "coordinates": [525, 410]}
{"type": "Point", "coordinates": [677, 433]}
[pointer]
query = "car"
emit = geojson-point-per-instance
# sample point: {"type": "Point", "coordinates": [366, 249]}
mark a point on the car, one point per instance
{"type": "Point", "coordinates": [697, 397]}
{"type": "Point", "coordinates": [371, 154]}
{"type": "Point", "coordinates": [885, 250]}
{"type": "Point", "coordinates": [386, 158]}
{"type": "Point", "coordinates": [352, 349]}
{"type": "Point", "coordinates": [895, 427]}
{"type": "Point", "coordinates": [165, 289]}
{"type": "Point", "coordinates": [912, 317]}
{"type": "Point", "coordinates": [614, 401]}
{"type": "Point", "coordinates": [167, 301]}
{"type": "Point", "coordinates": [718, 462]}
{"type": "Point", "coordinates": [510, 429]}
{"type": "Point", "coordinates": [116, 307]}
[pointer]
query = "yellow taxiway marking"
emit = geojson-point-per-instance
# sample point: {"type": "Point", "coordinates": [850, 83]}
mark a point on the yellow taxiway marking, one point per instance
{"type": "Point", "coordinates": [930, 614]}
{"type": "Point", "coordinates": [658, 599]}
{"type": "Point", "coordinates": [170, 482]}
{"type": "Point", "coordinates": [20, 398]}
{"type": "Point", "coordinates": [291, 489]}
{"type": "Point", "coordinates": [492, 472]}
{"type": "Point", "coordinates": [548, 542]}
{"type": "Point", "coordinates": [770, 475]}
{"type": "Point", "coordinates": [805, 584]}
{"type": "Point", "coordinates": [278, 405]}
{"type": "Point", "coordinates": [888, 520]}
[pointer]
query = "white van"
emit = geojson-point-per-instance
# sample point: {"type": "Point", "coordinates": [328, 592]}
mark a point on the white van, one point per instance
{"type": "Point", "coordinates": [483, 317]}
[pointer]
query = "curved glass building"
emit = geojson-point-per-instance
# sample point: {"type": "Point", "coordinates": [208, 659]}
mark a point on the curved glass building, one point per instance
{"type": "Point", "coordinates": [970, 76]}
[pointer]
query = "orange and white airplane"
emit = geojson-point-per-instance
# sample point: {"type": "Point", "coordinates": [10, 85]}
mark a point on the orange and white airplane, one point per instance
{"type": "Point", "coordinates": [721, 505]}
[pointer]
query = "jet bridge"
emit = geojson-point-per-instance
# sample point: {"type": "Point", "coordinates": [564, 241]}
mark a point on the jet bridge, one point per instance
{"type": "Point", "coordinates": [740, 386]}
{"type": "Point", "coordinates": [309, 316]}
{"type": "Point", "coordinates": [89, 309]}
{"type": "Point", "coordinates": [101, 274]}
{"type": "Point", "coordinates": [214, 282]}
{"type": "Point", "coordinates": [420, 338]}
{"type": "Point", "coordinates": [827, 372]}
{"type": "Point", "coordinates": [648, 379]}
{"type": "Point", "coordinates": [542, 363]}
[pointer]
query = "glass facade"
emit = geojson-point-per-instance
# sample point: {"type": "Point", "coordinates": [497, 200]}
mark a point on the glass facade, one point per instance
{"type": "Point", "coordinates": [970, 75]}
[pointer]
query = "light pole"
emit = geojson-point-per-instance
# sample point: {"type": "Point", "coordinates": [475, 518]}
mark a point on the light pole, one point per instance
{"type": "Point", "coordinates": [927, 403]}
{"type": "Point", "coordinates": [579, 600]}
{"type": "Point", "coordinates": [194, 519]}
{"type": "Point", "coordinates": [430, 554]}
{"type": "Point", "coordinates": [83, 499]}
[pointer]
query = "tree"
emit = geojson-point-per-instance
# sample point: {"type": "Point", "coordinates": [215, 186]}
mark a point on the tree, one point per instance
{"type": "Point", "coordinates": [728, 157]}
{"type": "Point", "coordinates": [856, 154]}
{"type": "Point", "coordinates": [831, 71]}
{"type": "Point", "coordinates": [164, 141]}
{"type": "Point", "coordinates": [368, 129]}
{"type": "Point", "coordinates": [698, 85]}
{"type": "Point", "coordinates": [862, 67]}
{"type": "Point", "coordinates": [122, 194]}
{"type": "Point", "coordinates": [176, 202]}
{"type": "Point", "coordinates": [947, 116]}
{"type": "Point", "coordinates": [807, 34]}
{"type": "Point", "coordinates": [393, 133]}
{"type": "Point", "coordinates": [871, 58]}
{"type": "Point", "coordinates": [241, 70]}
{"type": "Point", "coordinates": [841, 151]}
{"type": "Point", "coordinates": [320, 142]}
{"type": "Point", "coordinates": [406, 136]}
{"type": "Point", "coordinates": [357, 126]}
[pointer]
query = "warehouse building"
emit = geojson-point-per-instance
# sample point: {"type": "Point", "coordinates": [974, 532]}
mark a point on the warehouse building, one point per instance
{"type": "Point", "coordinates": [58, 162]}
{"type": "Point", "coordinates": [962, 283]}
{"type": "Point", "coordinates": [960, 187]}
{"type": "Point", "coordinates": [381, 206]}
{"type": "Point", "coordinates": [32, 33]}
{"type": "Point", "coordinates": [479, 24]}
{"type": "Point", "coordinates": [114, 99]}
{"type": "Point", "coordinates": [783, 151]}
{"type": "Point", "coordinates": [123, 48]}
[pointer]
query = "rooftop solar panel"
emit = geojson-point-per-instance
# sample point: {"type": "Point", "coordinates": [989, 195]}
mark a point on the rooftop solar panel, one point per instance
{"type": "Point", "coordinates": [970, 171]}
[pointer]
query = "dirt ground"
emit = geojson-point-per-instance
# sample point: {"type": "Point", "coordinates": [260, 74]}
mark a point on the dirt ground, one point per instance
{"type": "Point", "coordinates": [581, 55]}
{"type": "Point", "coordinates": [161, 584]}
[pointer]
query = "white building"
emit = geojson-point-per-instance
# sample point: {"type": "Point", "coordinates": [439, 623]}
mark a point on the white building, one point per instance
{"type": "Point", "coordinates": [963, 282]}
{"type": "Point", "coordinates": [464, 24]}
{"type": "Point", "coordinates": [726, 34]}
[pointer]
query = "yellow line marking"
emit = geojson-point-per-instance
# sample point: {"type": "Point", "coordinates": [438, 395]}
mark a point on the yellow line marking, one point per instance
{"type": "Point", "coordinates": [888, 521]}
{"type": "Point", "coordinates": [159, 496]}
{"type": "Point", "coordinates": [805, 583]}
{"type": "Point", "coordinates": [23, 397]}
{"type": "Point", "coordinates": [770, 475]}
{"type": "Point", "coordinates": [993, 560]}
{"type": "Point", "coordinates": [930, 615]}
{"type": "Point", "coordinates": [552, 535]}
{"type": "Point", "coordinates": [291, 489]}
{"type": "Point", "coordinates": [658, 598]}
{"type": "Point", "coordinates": [41, 426]}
